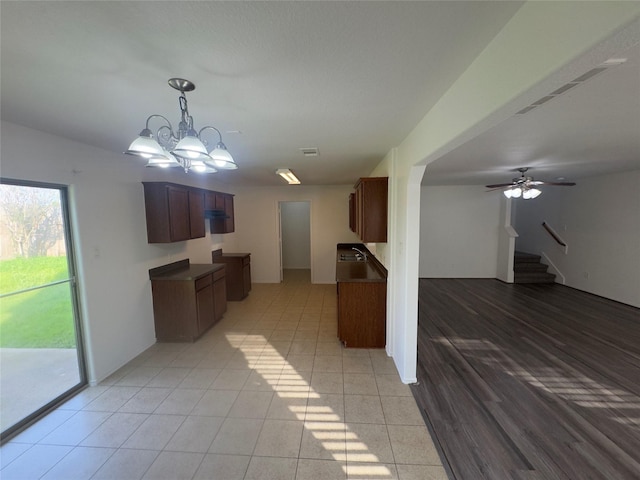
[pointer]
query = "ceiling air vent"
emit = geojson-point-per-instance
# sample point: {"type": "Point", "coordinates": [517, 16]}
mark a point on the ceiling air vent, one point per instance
{"type": "Point", "coordinates": [525, 110]}
{"type": "Point", "coordinates": [310, 151]}
{"type": "Point", "coordinates": [564, 88]}
{"type": "Point", "coordinates": [574, 83]}
{"type": "Point", "coordinates": [542, 100]}
{"type": "Point", "coordinates": [591, 73]}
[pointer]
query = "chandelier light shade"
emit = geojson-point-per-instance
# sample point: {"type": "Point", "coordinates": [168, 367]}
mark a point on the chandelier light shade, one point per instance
{"type": "Point", "coordinates": [183, 147]}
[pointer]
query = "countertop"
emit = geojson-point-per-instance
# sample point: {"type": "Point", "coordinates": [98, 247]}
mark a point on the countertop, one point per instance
{"type": "Point", "coordinates": [231, 255]}
{"type": "Point", "coordinates": [183, 271]}
{"type": "Point", "coordinates": [370, 271]}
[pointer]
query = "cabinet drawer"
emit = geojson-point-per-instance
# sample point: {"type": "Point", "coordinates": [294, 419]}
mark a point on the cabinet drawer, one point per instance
{"type": "Point", "coordinates": [203, 282]}
{"type": "Point", "coordinates": [219, 274]}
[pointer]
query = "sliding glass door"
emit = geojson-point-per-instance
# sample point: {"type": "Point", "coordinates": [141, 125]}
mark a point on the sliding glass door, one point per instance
{"type": "Point", "coordinates": [41, 358]}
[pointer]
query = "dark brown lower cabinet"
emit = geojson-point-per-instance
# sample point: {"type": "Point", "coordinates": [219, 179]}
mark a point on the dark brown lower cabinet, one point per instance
{"type": "Point", "coordinates": [187, 301]}
{"type": "Point", "coordinates": [362, 308]}
{"type": "Point", "coordinates": [238, 273]}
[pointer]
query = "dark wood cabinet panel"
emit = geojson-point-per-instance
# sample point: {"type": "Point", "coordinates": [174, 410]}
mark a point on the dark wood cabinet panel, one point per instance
{"type": "Point", "coordinates": [369, 206]}
{"type": "Point", "coordinates": [179, 225]}
{"type": "Point", "coordinates": [167, 213]}
{"type": "Point", "coordinates": [229, 222]}
{"type": "Point", "coordinates": [187, 300]}
{"type": "Point", "coordinates": [352, 212]}
{"type": "Point", "coordinates": [176, 212]}
{"type": "Point", "coordinates": [174, 311]}
{"type": "Point", "coordinates": [223, 205]}
{"type": "Point", "coordinates": [362, 310]}
{"type": "Point", "coordinates": [205, 308]}
{"type": "Point", "coordinates": [196, 213]}
{"type": "Point", "coordinates": [220, 293]}
{"type": "Point", "coordinates": [238, 273]}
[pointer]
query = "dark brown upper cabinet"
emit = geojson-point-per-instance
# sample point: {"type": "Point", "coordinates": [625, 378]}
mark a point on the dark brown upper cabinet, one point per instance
{"type": "Point", "coordinates": [219, 208]}
{"type": "Point", "coordinates": [177, 212]}
{"type": "Point", "coordinates": [368, 209]}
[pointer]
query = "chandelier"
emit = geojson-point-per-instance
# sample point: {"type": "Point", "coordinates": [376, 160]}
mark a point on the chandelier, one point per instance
{"type": "Point", "coordinates": [185, 147]}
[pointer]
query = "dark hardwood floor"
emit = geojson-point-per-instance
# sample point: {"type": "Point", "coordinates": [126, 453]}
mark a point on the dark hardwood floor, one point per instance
{"type": "Point", "coordinates": [529, 382]}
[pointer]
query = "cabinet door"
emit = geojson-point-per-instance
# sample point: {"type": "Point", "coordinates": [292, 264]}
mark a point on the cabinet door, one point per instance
{"type": "Point", "coordinates": [352, 212]}
{"type": "Point", "coordinates": [218, 224]}
{"type": "Point", "coordinates": [219, 297]}
{"type": "Point", "coordinates": [196, 214]}
{"type": "Point", "coordinates": [179, 223]}
{"type": "Point", "coordinates": [370, 200]}
{"type": "Point", "coordinates": [229, 224]}
{"type": "Point", "coordinates": [223, 203]}
{"type": "Point", "coordinates": [210, 200]}
{"type": "Point", "coordinates": [205, 307]}
{"type": "Point", "coordinates": [362, 314]}
{"type": "Point", "coordinates": [220, 201]}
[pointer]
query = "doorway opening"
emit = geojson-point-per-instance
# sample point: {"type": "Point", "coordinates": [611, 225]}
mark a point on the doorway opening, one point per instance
{"type": "Point", "coordinates": [40, 342]}
{"type": "Point", "coordinates": [295, 240]}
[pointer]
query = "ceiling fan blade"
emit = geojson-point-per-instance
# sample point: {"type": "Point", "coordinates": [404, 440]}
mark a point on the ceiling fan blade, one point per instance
{"type": "Point", "coordinates": [563, 184]}
{"type": "Point", "coordinates": [500, 185]}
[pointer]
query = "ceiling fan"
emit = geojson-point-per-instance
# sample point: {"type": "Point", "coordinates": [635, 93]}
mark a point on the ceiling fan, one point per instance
{"type": "Point", "coordinates": [525, 186]}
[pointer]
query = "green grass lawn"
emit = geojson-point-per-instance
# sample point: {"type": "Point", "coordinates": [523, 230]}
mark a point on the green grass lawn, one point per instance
{"type": "Point", "coordinates": [40, 318]}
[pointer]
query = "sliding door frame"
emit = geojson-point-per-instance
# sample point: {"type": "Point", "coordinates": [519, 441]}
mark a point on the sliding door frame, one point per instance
{"type": "Point", "coordinates": [76, 310]}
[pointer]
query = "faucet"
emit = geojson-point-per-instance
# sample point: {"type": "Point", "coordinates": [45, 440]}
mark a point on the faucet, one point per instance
{"type": "Point", "coordinates": [360, 252]}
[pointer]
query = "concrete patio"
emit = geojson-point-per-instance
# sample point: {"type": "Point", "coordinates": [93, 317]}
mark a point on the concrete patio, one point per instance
{"type": "Point", "coordinates": [31, 378]}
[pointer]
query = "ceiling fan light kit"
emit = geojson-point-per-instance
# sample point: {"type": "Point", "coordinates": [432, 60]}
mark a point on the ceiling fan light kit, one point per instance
{"type": "Point", "coordinates": [525, 187]}
{"type": "Point", "coordinates": [185, 147]}
{"type": "Point", "coordinates": [526, 193]}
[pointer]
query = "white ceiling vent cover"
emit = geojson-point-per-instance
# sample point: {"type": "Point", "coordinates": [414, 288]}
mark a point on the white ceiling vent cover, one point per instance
{"type": "Point", "coordinates": [310, 151]}
{"type": "Point", "coordinates": [574, 83]}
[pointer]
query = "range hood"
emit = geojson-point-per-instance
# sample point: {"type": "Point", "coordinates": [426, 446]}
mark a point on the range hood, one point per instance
{"type": "Point", "coordinates": [215, 214]}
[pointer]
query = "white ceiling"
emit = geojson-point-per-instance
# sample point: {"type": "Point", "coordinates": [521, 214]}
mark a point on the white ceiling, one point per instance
{"type": "Point", "coordinates": [591, 129]}
{"type": "Point", "coordinates": [350, 78]}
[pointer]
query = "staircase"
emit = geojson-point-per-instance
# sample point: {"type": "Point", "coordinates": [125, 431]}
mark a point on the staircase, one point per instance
{"type": "Point", "coordinates": [528, 269]}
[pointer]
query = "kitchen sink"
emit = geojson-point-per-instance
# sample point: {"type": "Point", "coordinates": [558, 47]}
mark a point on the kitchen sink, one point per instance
{"type": "Point", "coordinates": [351, 257]}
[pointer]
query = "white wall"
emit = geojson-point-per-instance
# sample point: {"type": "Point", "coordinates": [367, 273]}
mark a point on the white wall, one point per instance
{"type": "Point", "coordinates": [459, 232]}
{"type": "Point", "coordinates": [256, 210]}
{"type": "Point", "coordinates": [295, 221]}
{"type": "Point", "coordinates": [109, 230]}
{"type": "Point", "coordinates": [599, 220]}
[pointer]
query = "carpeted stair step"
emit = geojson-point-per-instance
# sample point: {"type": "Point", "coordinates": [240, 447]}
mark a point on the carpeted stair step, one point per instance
{"type": "Point", "coordinates": [533, 277]}
{"type": "Point", "coordinates": [528, 269]}
{"type": "Point", "coordinates": [523, 257]}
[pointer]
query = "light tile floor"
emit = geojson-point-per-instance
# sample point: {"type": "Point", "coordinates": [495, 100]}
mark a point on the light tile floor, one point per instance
{"type": "Point", "coordinates": [268, 393]}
